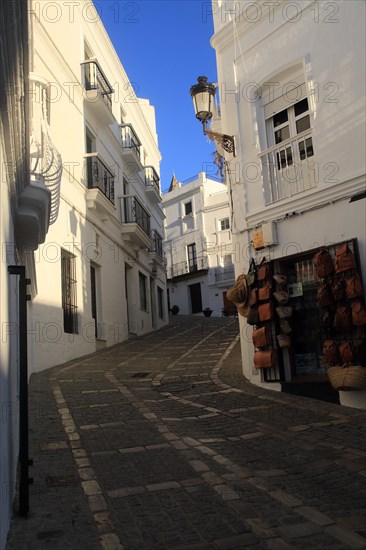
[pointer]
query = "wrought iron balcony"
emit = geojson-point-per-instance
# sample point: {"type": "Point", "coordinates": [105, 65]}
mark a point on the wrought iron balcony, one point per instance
{"type": "Point", "coordinates": [225, 275]}
{"type": "Point", "coordinates": [188, 267]}
{"type": "Point", "coordinates": [99, 176]}
{"type": "Point", "coordinates": [95, 79]}
{"type": "Point", "coordinates": [135, 221]}
{"type": "Point", "coordinates": [152, 180]}
{"type": "Point", "coordinates": [130, 141]}
{"type": "Point", "coordinates": [157, 243]}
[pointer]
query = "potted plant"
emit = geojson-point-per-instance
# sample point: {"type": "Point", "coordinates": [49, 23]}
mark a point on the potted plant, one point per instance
{"type": "Point", "coordinates": [207, 311]}
{"type": "Point", "coordinates": [174, 310]}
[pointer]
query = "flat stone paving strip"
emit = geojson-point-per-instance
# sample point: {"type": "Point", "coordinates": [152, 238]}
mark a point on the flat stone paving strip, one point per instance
{"type": "Point", "coordinates": [178, 466]}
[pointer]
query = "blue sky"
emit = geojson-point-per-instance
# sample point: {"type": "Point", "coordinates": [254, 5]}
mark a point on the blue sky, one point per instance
{"type": "Point", "coordinates": [164, 45]}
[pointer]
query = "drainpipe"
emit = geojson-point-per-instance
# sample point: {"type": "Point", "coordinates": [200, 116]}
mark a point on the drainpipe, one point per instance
{"type": "Point", "coordinates": [24, 480]}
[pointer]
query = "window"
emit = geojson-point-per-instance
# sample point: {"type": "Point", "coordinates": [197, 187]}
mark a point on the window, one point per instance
{"type": "Point", "coordinates": [287, 124]}
{"type": "Point", "coordinates": [188, 208]}
{"type": "Point", "coordinates": [224, 224]}
{"type": "Point", "coordinates": [192, 257]}
{"type": "Point", "coordinates": [143, 293]}
{"type": "Point", "coordinates": [68, 281]}
{"type": "Point", "coordinates": [226, 260]}
{"type": "Point", "coordinates": [288, 162]}
{"type": "Point", "coordinates": [160, 302]}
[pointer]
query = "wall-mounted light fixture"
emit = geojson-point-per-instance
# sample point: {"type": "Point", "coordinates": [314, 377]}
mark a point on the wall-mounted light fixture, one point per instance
{"type": "Point", "coordinates": [203, 95]}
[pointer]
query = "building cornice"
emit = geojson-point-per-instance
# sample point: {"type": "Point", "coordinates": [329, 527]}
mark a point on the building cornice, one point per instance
{"type": "Point", "coordinates": [225, 36]}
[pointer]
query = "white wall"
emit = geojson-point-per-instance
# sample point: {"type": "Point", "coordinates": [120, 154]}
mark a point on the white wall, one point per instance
{"type": "Point", "coordinates": [9, 375]}
{"type": "Point", "coordinates": [254, 45]}
{"type": "Point", "coordinates": [91, 231]}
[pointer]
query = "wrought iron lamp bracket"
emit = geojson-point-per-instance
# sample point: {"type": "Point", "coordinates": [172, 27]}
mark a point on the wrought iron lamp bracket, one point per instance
{"type": "Point", "coordinates": [227, 142]}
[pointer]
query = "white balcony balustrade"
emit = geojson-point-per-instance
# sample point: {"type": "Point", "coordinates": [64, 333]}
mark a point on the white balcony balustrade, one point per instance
{"type": "Point", "coordinates": [289, 168]}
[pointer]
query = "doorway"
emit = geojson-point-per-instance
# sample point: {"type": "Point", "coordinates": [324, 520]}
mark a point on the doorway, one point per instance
{"type": "Point", "coordinates": [196, 297]}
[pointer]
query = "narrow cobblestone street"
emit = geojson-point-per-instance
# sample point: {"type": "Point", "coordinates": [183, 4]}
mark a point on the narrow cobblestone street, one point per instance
{"type": "Point", "coordinates": [159, 443]}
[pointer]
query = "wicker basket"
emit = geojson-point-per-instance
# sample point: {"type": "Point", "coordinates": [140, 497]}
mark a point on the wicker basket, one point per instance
{"type": "Point", "coordinates": [347, 378]}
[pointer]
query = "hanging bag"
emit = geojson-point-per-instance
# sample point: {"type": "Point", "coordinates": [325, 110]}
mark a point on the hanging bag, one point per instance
{"type": "Point", "coordinates": [280, 279]}
{"type": "Point", "coordinates": [358, 314]}
{"type": "Point", "coordinates": [343, 318]}
{"type": "Point", "coordinates": [330, 351]}
{"type": "Point", "coordinates": [265, 312]}
{"type": "Point", "coordinates": [323, 263]}
{"type": "Point", "coordinates": [339, 290]}
{"type": "Point", "coordinates": [264, 293]}
{"type": "Point", "coordinates": [325, 296]}
{"type": "Point", "coordinates": [251, 276]}
{"type": "Point", "coordinates": [284, 340]}
{"type": "Point", "coordinates": [284, 312]}
{"type": "Point", "coordinates": [264, 359]}
{"type": "Point", "coordinates": [252, 300]}
{"type": "Point", "coordinates": [344, 259]}
{"type": "Point", "coordinates": [354, 287]}
{"type": "Point", "coordinates": [327, 320]}
{"type": "Point", "coordinates": [263, 270]}
{"type": "Point", "coordinates": [253, 317]}
{"type": "Point", "coordinates": [281, 296]}
{"type": "Point", "coordinates": [346, 352]}
{"type": "Point", "coordinates": [260, 337]}
{"type": "Point", "coordinates": [285, 326]}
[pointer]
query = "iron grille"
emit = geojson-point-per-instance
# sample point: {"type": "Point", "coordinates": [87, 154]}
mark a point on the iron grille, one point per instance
{"type": "Point", "coordinates": [134, 212]}
{"type": "Point", "coordinates": [130, 140]}
{"type": "Point", "coordinates": [69, 299]}
{"type": "Point", "coordinates": [99, 176]}
{"type": "Point", "coordinates": [95, 79]}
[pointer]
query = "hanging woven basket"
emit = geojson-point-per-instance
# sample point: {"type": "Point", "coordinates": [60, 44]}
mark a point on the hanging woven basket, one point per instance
{"type": "Point", "coordinates": [347, 378]}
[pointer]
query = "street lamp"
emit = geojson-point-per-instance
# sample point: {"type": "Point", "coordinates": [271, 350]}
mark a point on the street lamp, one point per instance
{"type": "Point", "coordinates": [203, 95]}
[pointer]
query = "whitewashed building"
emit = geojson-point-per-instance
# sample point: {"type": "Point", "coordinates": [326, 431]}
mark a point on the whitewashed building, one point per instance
{"type": "Point", "coordinates": [100, 273]}
{"type": "Point", "coordinates": [30, 174]}
{"type": "Point", "coordinates": [81, 222]}
{"type": "Point", "coordinates": [198, 245]}
{"type": "Point", "coordinates": [291, 85]}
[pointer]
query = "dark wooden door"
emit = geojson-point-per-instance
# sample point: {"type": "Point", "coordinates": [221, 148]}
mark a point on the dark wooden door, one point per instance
{"type": "Point", "coordinates": [196, 297]}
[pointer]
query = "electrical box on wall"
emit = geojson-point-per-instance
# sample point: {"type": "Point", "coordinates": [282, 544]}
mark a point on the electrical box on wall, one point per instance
{"type": "Point", "coordinates": [265, 236]}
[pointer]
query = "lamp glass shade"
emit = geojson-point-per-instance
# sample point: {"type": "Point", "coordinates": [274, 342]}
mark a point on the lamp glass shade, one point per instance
{"type": "Point", "coordinates": [203, 95]}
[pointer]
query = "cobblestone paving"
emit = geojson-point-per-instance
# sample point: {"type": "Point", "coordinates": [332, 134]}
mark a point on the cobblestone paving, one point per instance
{"type": "Point", "coordinates": [160, 443]}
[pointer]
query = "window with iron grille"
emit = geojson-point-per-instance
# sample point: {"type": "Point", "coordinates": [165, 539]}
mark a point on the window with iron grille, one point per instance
{"type": "Point", "coordinates": [160, 302]}
{"type": "Point", "coordinates": [143, 293]}
{"type": "Point", "coordinates": [69, 301]}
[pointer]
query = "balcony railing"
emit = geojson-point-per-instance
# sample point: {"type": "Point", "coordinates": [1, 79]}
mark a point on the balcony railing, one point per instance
{"type": "Point", "coordinates": [151, 178]}
{"type": "Point", "coordinates": [95, 79]}
{"type": "Point", "coordinates": [134, 212]}
{"type": "Point", "coordinates": [99, 176]}
{"type": "Point", "coordinates": [130, 140]}
{"type": "Point", "coordinates": [184, 268]}
{"type": "Point", "coordinates": [289, 168]}
{"type": "Point", "coordinates": [223, 274]}
{"type": "Point", "coordinates": [157, 243]}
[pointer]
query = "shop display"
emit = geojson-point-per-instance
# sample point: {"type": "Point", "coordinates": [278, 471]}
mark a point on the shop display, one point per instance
{"type": "Point", "coordinates": [311, 313]}
{"type": "Point", "coordinates": [343, 322]}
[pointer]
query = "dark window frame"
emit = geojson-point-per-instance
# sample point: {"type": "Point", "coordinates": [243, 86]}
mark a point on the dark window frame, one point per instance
{"type": "Point", "coordinates": [143, 291]}
{"type": "Point", "coordinates": [69, 292]}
